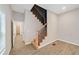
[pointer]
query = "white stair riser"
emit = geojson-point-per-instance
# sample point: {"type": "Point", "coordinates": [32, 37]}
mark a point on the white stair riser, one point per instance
{"type": "Point", "coordinates": [35, 18]}
{"type": "Point", "coordinates": [44, 40]}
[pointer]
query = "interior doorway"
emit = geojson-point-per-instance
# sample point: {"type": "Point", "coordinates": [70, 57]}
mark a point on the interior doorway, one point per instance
{"type": "Point", "coordinates": [11, 34]}
{"type": "Point", "coordinates": [16, 32]}
{"type": "Point", "coordinates": [17, 29]}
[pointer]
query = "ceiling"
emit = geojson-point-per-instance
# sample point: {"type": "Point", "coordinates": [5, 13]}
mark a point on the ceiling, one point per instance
{"type": "Point", "coordinates": [21, 7]}
{"type": "Point", "coordinates": [56, 8]}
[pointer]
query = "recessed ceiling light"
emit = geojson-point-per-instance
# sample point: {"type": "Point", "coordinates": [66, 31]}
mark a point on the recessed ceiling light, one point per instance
{"type": "Point", "coordinates": [64, 7]}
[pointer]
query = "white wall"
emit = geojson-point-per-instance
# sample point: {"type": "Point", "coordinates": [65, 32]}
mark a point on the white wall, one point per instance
{"type": "Point", "coordinates": [18, 16]}
{"type": "Point", "coordinates": [31, 26]}
{"type": "Point", "coordinates": [7, 11]}
{"type": "Point", "coordinates": [52, 25]}
{"type": "Point", "coordinates": [69, 27]}
{"type": "Point", "coordinates": [52, 21]}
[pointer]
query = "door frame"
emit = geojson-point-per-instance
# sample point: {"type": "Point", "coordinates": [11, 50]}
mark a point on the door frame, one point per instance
{"type": "Point", "coordinates": [11, 34]}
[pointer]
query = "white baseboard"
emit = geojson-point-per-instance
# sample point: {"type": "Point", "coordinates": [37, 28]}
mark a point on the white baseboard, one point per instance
{"type": "Point", "coordinates": [46, 44]}
{"type": "Point", "coordinates": [60, 40]}
{"type": "Point", "coordinates": [26, 43]}
{"type": "Point", "coordinates": [68, 42]}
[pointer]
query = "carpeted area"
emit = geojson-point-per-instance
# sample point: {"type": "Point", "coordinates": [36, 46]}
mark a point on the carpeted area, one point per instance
{"type": "Point", "coordinates": [58, 48]}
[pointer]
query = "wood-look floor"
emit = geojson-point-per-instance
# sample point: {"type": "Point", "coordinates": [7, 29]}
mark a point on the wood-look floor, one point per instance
{"type": "Point", "coordinates": [59, 48]}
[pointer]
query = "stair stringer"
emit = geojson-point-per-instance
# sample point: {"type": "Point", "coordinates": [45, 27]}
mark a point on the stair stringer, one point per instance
{"type": "Point", "coordinates": [45, 42]}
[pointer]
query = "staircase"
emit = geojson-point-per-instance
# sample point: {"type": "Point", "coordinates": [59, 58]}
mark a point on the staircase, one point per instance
{"type": "Point", "coordinates": [40, 37]}
{"type": "Point", "coordinates": [41, 15]}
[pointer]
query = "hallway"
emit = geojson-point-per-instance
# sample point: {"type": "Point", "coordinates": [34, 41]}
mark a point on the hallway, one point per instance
{"type": "Point", "coordinates": [59, 49]}
{"type": "Point", "coordinates": [20, 47]}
